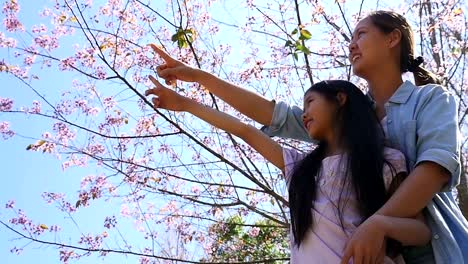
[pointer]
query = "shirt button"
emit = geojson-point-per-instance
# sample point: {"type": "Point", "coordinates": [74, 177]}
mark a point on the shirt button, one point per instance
{"type": "Point", "coordinates": [436, 236]}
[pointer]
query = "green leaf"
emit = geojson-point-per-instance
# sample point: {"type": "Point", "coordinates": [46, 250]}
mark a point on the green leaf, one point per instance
{"type": "Point", "coordinates": [175, 37]}
{"type": "Point", "coordinates": [296, 57]}
{"type": "Point", "coordinates": [289, 44]}
{"type": "Point", "coordinates": [294, 32]}
{"type": "Point", "coordinates": [303, 49]}
{"type": "Point", "coordinates": [305, 34]}
{"type": "Point", "coordinates": [183, 37]}
{"type": "Point", "coordinates": [190, 38]}
{"type": "Point", "coordinates": [182, 43]}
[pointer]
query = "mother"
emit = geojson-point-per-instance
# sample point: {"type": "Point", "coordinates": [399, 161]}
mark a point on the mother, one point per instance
{"type": "Point", "coordinates": [420, 120]}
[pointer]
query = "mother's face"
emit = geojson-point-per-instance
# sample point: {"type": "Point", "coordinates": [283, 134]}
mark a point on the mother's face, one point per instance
{"type": "Point", "coordinates": [368, 48]}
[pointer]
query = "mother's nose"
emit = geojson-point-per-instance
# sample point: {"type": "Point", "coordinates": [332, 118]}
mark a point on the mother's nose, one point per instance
{"type": "Point", "coordinates": [352, 46]}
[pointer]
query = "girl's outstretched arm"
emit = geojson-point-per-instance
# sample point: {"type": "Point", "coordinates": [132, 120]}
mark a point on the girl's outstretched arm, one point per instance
{"type": "Point", "coordinates": [170, 100]}
{"type": "Point", "coordinates": [248, 103]}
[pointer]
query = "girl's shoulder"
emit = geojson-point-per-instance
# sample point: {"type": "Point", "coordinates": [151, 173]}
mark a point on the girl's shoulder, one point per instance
{"type": "Point", "coordinates": [395, 165]}
{"type": "Point", "coordinates": [291, 158]}
{"type": "Point", "coordinates": [392, 154]}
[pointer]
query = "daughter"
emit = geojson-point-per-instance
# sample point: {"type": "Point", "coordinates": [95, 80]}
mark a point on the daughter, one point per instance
{"type": "Point", "coordinates": [340, 183]}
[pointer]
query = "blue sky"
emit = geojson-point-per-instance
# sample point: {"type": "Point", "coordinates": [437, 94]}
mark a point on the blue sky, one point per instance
{"type": "Point", "coordinates": [26, 174]}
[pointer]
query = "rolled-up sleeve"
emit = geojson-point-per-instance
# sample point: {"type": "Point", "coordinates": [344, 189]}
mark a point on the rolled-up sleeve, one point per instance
{"type": "Point", "coordinates": [287, 123]}
{"type": "Point", "coordinates": [438, 135]}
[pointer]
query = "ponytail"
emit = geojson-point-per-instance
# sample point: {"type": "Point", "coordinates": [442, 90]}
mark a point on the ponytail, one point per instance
{"type": "Point", "coordinates": [421, 75]}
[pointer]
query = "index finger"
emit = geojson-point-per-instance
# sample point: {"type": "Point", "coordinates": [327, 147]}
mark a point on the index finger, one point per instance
{"type": "Point", "coordinates": [155, 81]}
{"type": "Point", "coordinates": [161, 52]}
{"type": "Point", "coordinates": [156, 90]}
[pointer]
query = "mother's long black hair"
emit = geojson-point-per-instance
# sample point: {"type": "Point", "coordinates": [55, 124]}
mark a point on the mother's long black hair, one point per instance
{"type": "Point", "coordinates": [361, 135]}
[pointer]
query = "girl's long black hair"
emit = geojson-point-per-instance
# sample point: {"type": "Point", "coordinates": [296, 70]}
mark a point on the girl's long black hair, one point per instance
{"type": "Point", "coordinates": [362, 137]}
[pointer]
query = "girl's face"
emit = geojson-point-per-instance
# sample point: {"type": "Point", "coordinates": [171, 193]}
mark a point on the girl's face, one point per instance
{"type": "Point", "coordinates": [318, 116]}
{"type": "Point", "coordinates": [368, 48]}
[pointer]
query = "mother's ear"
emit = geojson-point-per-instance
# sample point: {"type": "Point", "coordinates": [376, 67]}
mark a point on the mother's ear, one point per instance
{"type": "Point", "coordinates": [341, 98]}
{"type": "Point", "coordinates": [394, 38]}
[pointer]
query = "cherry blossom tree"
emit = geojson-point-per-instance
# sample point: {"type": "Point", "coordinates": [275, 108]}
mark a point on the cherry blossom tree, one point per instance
{"type": "Point", "coordinates": [183, 189]}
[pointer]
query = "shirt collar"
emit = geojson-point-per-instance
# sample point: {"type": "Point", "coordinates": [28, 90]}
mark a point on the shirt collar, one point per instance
{"type": "Point", "coordinates": [403, 93]}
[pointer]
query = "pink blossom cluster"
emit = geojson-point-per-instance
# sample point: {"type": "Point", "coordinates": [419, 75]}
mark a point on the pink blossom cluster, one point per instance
{"type": "Point", "coordinates": [36, 29]}
{"type": "Point", "coordinates": [255, 71]}
{"type": "Point", "coordinates": [145, 125]}
{"type": "Point", "coordinates": [109, 102]}
{"type": "Point", "coordinates": [86, 57]}
{"type": "Point", "coordinates": [110, 222]}
{"type": "Point", "coordinates": [64, 134]}
{"type": "Point", "coordinates": [6, 42]}
{"type": "Point", "coordinates": [92, 242]}
{"type": "Point", "coordinates": [100, 73]}
{"type": "Point", "coordinates": [254, 231]}
{"type": "Point", "coordinates": [16, 250]}
{"type": "Point", "coordinates": [27, 224]}
{"type": "Point", "coordinates": [36, 107]}
{"type": "Point", "coordinates": [67, 64]}
{"type": "Point", "coordinates": [67, 254]}
{"type": "Point", "coordinates": [6, 104]}
{"type": "Point", "coordinates": [47, 42]}
{"type": "Point", "coordinates": [74, 161]}
{"type": "Point", "coordinates": [142, 59]}
{"type": "Point", "coordinates": [5, 130]}
{"type": "Point", "coordinates": [11, 22]}
{"type": "Point", "coordinates": [29, 60]}
{"type": "Point", "coordinates": [10, 204]}
{"type": "Point", "coordinates": [92, 188]}
{"type": "Point", "coordinates": [59, 199]}
{"type": "Point", "coordinates": [96, 149]}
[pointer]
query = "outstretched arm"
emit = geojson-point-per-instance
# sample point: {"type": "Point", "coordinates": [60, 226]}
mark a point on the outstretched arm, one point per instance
{"type": "Point", "coordinates": [170, 100]}
{"type": "Point", "coordinates": [248, 103]}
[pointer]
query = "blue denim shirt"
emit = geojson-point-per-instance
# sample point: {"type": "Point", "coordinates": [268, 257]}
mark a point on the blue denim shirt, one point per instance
{"type": "Point", "coordinates": [422, 122]}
